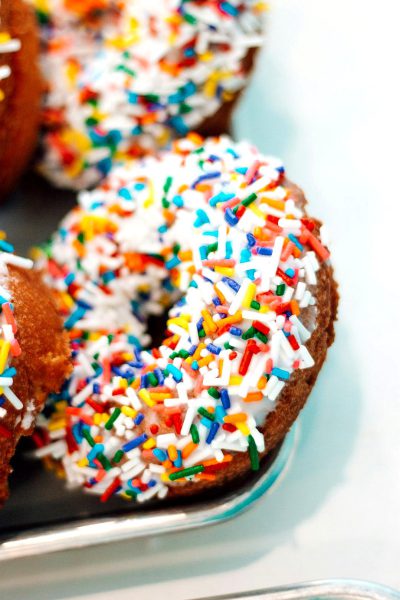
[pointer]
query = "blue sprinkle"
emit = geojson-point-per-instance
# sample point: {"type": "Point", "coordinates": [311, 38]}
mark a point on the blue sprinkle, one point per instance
{"type": "Point", "coordinates": [77, 432]}
{"type": "Point", "coordinates": [195, 365]}
{"type": "Point", "coordinates": [179, 124]}
{"type": "Point", "coordinates": [161, 455]}
{"type": "Point", "coordinates": [6, 246]}
{"type": "Point", "coordinates": [290, 272]}
{"type": "Point", "coordinates": [251, 274]}
{"type": "Point", "coordinates": [138, 419]}
{"type": "Point", "coordinates": [230, 217]}
{"type": "Point", "coordinates": [280, 169]}
{"type": "Point", "coordinates": [84, 304]}
{"type": "Point", "coordinates": [3, 300]}
{"type": "Point", "coordinates": [178, 201]}
{"type": "Point", "coordinates": [152, 483]}
{"type": "Point", "coordinates": [10, 372]}
{"type": "Point", "coordinates": [69, 278]}
{"type": "Point", "coordinates": [96, 388]}
{"type": "Point", "coordinates": [264, 251]}
{"type": "Point", "coordinates": [241, 170]}
{"type": "Point", "coordinates": [176, 374]}
{"type": "Point", "coordinates": [74, 317]}
{"type": "Point", "coordinates": [212, 433]}
{"type": "Point", "coordinates": [251, 240]}
{"type": "Point", "coordinates": [216, 301]}
{"type": "Point", "coordinates": [125, 193]}
{"type": "Point", "coordinates": [232, 283]}
{"type": "Point", "coordinates": [220, 414]}
{"type": "Point", "coordinates": [95, 451]}
{"type": "Point", "coordinates": [202, 218]}
{"type": "Point", "coordinates": [178, 461]}
{"type": "Point", "coordinates": [158, 373]}
{"type": "Point", "coordinates": [173, 262]}
{"type": "Point", "coordinates": [139, 186]}
{"type": "Point", "coordinates": [135, 443]}
{"type": "Point", "coordinates": [229, 249]}
{"type": "Point", "coordinates": [214, 349]}
{"type": "Point", "coordinates": [225, 400]}
{"type": "Point", "coordinates": [143, 381]}
{"type": "Point", "coordinates": [280, 373]}
{"type": "Point", "coordinates": [205, 177]}
{"type": "Point", "coordinates": [206, 422]}
{"type": "Point", "coordinates": [245, 255]}
{"type": "Point", "coordinates": [295, 241]}
{"type": "Point", "coordinates": [235, 331]}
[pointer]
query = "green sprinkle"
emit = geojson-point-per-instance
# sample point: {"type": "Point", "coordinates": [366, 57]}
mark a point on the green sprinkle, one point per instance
{"type": "Point", "coordinates": [190, 19]}
{"type": "Point", "coordinates": [227, 346]}
{"type": "Point", "coordinates": [131, 494]}
{"type": "Point", "coordinates": [165, 203]}
{"type": "Point", "coordinates": [184, 353]}
{"type": "Point", "coordinates": [118, 456]}
{"type": "Point", "coordinates": [202, 333]}
{"type": "Point", "coordinates": [152, 379]}
{"type": "Point", "coordinates": [86, 434]}
{"type": "Point", "coordinates": [249, 199]}
{"type": "Point", "coordinates": [280, 289]}
{"type": "Point", "coordinates": [262, 337]}
{"type": "Point", "coordinates": [214, 393]}
{"type": "Point", "coordinates": [186, 472]}
{"type": "Point", "coordinates": [254, 304]}
{"type": "Point", "coordinates": [167, 185]}
{"type": "Point", "coordinates": [105, 463]}
{"type": "Point", "coordinates": [113, 417]}
{"type": "Point", "coordinates": [195, 434]}
{"type": "Point", "coordinates": [212, 247]}
{"type": "Point", "coordinates": [249, 333]}
{"type": "Point", "coordinates": [253, 452]}
{"type": "Point", "coordinates": [204, 413]}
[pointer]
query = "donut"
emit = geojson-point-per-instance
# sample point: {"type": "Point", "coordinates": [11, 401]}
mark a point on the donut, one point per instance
{"type": "Point", "coordinates": [216, 229]}
{"type": "Point", "coordinates": [34, 352]}
{"type": "Point", "coordinates": [20, 90]}
{"type": "Point", "coordinates": [125, 77]}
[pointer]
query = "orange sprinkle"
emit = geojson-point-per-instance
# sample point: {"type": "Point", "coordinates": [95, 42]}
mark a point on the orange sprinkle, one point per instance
{"type": "Point", "coordinates": [229, 320]}
{"type": "Point", "coordinates": [254, 397]}
{"type": "Point", "coordinates": [294, 307]}
{"type": "Point", "coordinates": [237, 418]}
{"type": "Point", "coordinates": [172, 452]}
{"type": "Point", "coordinates": [188, 449]}
{"type": "Point", "coordinates": [208, 321]}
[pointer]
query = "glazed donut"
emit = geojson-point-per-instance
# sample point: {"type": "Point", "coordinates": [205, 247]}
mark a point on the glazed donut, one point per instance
{"type": "Point", "coordinates": [20, 90]}
{"type": "Point", "coordinates": [124, 77]}
{"type": "Point", "coordinates": [217, 226]}
{"type": "Point", "coordinates": [34, 352]}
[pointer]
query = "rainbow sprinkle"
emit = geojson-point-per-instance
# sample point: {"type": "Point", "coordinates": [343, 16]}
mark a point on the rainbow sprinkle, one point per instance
{"type": "Point", "coordinates": [126, 77]}
{"type": "Point", "coordinates": [207, 227]}
{"type": "Point", "coordinates": [9, 346]}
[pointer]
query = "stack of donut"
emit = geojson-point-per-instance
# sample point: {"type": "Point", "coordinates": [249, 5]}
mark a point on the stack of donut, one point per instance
{"type": "Point", "coordinates": [205, 229]}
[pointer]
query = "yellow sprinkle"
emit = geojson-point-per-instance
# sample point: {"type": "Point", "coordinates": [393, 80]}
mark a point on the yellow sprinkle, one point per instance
{"type": "Point", "coordinates": [180, 321]}
{"type": "Point", "coordinates": [257, 211]}
{"type": "Point", "coordinates": [251, 290]}
{"type": "Point", "coordinates": [4, 37]}
{"type": "Point", "coordinates": [83, 462]}
{"type": "Point", "coordinates": [4, 351]}
{"type": "Point", "coordinates": [243, 428]}
{"type": "Point", "coordinates": [97, 419]}
{"type": "Point", "coordinates": [145, 396]}
{"type": "Point", "coordinates": [128, 411]}
{"type": "Point", "coordinates": [57, 424]}
{"type": "Point", "coordinates": [149, 444]}
{"type": "Point", "coordinates": [228, 271]}
{"type": "Point", "coordinates": [235, 380]}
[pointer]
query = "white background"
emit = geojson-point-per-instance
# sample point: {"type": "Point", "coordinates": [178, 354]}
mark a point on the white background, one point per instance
{"type": "Point", "coordinates": [326, 99]}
